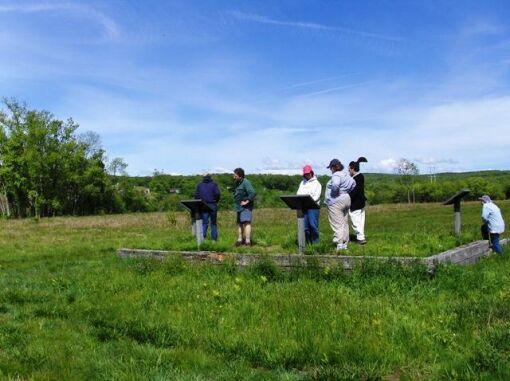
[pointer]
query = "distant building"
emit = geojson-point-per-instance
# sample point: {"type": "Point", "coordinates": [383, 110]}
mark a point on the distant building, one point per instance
{"type": "Point", "coordinates": [146, 191]}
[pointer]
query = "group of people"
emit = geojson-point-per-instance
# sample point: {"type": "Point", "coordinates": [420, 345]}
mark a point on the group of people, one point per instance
{"type": "Point", "coordinates": [344, 198]}
{"type": "Point", "coordinates": [244, 197]}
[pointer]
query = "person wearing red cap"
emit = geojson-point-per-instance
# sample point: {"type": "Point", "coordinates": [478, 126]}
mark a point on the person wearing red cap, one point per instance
{"type": "Point", "coordinates": [312, 187]}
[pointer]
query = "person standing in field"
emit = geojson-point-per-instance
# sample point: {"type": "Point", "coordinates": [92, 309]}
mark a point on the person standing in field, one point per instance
{"type": "Point", "coordinates": [338, 202]}
{"type": "Point", "coordinates": [493, 222]}
{"type": "Point", "coordinates": [209, 192]}
{"type": "Point", "coordinates": [358, 199]}
{"type": "Point", "coordinates": [244, 196]}
{"type": "Point", "coordinates": [312, 187]}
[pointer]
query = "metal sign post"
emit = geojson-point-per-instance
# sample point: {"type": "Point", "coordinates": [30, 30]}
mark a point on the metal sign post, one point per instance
{"type": "Point", "coordinates": [300, 204]}
{"type": "Point", "coordinates": [455, 201]}
{"type": "Point", "coordinates": [195, 208]}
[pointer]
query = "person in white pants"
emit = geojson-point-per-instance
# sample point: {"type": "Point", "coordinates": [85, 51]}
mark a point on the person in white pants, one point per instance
{"type": "Point", "coordinates": [338, 201]}
{"type": "Point", "coordinates": [358, 200]}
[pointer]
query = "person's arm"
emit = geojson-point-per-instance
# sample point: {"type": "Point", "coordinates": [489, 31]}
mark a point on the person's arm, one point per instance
{"type": "Point", "coordinates": [335, 186]}
{"type": "Point", "coordinates": [316, 192]}
{"type": "Point", "coordinates": [217, 193]}
{"type": "Point", "coordinates": [301, 189]}
{"type": "Point", "coordinates": [357, 188]}
{"type": "Point", "coordinates": [197, 192]}
{"type": "Point", "coordinates": [485, 213]}
{"type": "Point", "coordinates": [360, 180]}
{"type": "Point", "coordinates": [249, 190]}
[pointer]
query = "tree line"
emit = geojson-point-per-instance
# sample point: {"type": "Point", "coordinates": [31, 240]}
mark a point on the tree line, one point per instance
{"type": "Point", "coordinates": [48, 169]}
{"type": "Point", "coordinates": [152, 193]}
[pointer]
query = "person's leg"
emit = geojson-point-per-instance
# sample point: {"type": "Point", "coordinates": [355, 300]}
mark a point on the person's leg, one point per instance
{"type": "Point", "coordinates": [358, 223]}
{"type": "Point", "coordinates": [240, 239]}
{"type": "Point", "coordinates": [484, 229]}
{"type": "Point", "coordinates": [361, 236]}
{"type": "Point", "coordinates": [239, 230]}
{"type": "Point", "coordinates": [307, 216]}
{"type": "Point", "coordinates": [354, 216]}
{"type": "Point", "coordinates": [313, 221]}
{"type": "Point", "coordinates": [247, 233]}
{"type": "Point", "coordinates": [205, 222]}
{"type": "Point", "coordinates": [334, 216]}
{"type": "Point", "coordinates": [496, 246]}
{"type": "Point", "coordinates": [214, 225]}
{"type": "Point", "coordinates": [344, 204]}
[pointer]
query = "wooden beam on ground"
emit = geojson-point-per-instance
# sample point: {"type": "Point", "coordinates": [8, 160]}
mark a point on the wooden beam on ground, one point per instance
{"type": "Point", "coordinates": [285, 261]}
{"type": "Point", "coordinates": [462, 255]}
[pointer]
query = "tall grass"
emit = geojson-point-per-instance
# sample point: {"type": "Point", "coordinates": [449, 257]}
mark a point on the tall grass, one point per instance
{"type": "Point", "coordinates": [70, 309]}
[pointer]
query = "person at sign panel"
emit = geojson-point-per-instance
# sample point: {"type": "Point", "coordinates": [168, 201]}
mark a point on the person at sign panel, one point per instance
{"type": "Point", "coordinates": [209, 192]}
{"type": "Point", "coordinates": [338, 202]}
{"type": "Point", "coordinates": [244, 196]}
{"type": "Point", "coordinates": [358, 200]}
{"type": "Point", "coordinates": [493, 223]}
{"type": "Point", "coordinates": [312, 187]}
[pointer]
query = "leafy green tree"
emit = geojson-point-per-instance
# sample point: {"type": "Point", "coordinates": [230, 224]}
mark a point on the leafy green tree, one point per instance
{"type": "Point", "coordinates": [117, 167]}
{"type": "Point", "coordinates": [46, 169]}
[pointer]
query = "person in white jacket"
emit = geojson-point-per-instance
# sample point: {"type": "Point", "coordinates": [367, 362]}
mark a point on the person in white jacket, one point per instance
{"type": "Point", "coordinates": [312, 187]}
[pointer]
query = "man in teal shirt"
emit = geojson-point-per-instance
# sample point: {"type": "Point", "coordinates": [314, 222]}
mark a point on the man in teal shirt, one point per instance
{"type": "Point", "coordinates": [244, 195]}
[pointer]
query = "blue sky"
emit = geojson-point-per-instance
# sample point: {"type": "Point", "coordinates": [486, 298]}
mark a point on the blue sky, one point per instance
{"type": "Point", "coordinates": [198, 86]}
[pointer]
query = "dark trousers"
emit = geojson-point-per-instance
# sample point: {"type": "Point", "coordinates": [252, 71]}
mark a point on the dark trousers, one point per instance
{"type": "Point", "coordinates": [312, 225]}
{"type": "Point", "coordinates": [212, 217]}
{"type": "Point", "coordinates": [496, 246]}
{"type": "Point", "coordinates": [493, 238]}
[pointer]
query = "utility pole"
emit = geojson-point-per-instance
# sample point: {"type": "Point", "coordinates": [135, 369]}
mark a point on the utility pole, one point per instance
{"type": "Point", "coordinates": [432, 174]}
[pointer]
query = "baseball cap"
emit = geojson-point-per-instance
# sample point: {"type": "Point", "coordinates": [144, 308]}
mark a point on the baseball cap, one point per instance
{"type": "Point", "coordinates": [485, 199]}
{"type": "Point", "coordinates": [333, 163]}
{"type": "Point", "coordinates": [307, 169]}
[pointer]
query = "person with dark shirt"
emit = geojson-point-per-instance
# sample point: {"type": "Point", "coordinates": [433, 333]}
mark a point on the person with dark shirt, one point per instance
{"type": "Point", "coordinates": [244, 196]}
{"type": "Point", "coordinates": [209, 192]}
{"type": "Point", "coordinates": [358, 199]}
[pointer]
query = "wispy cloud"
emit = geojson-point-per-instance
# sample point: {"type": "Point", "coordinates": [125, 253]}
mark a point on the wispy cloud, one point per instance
{"type": "Point", "coordinates": [110, 28]}
{"type": "Point", "coordinates": [180, 109]}
{"type": "Point", "coordinates": [336, 88]}
{"type": "Point", "coordinates": [308, 83]}
{"type": "Point", "coordinates": [433, 161]}
{"type": "Point", "coordinates": [311, 26]}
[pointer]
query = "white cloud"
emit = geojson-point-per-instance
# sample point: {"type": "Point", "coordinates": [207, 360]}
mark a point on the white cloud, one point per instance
{"type": "Point", "coordinates": [435, 161]}
{"type": "Point", "coordinates": [387, 165]}
{"type": "Point", "coordinates": [110, 28]}
{"type": "Point", "coordinates": [310, 26]}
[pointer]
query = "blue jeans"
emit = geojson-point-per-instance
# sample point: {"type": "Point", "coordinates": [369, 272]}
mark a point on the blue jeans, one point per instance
{"type": "Point", "coordinates": [312, 225]}
{"type": "Point", "coordinates": [496, 247]}
{"type": "Point", "coordinates": [206, 216]}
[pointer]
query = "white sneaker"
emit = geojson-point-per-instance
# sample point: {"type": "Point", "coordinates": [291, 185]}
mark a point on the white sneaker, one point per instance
{"type": "Point", "coordinates": [341, 246]}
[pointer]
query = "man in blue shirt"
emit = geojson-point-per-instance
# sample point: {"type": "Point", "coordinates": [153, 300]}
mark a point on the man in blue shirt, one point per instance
{"type": "Point", "coordinates": [209, 192]}
{"type": "Point", "coordinates": [492, 218]}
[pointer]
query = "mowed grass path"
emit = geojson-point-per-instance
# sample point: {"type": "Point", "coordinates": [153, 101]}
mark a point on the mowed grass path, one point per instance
{"type": "Point", "coordinates": [70, 309]}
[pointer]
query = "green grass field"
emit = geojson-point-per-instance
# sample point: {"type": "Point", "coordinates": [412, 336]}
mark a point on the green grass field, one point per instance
{"type": "Point", "coordinates": [70, 309]}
